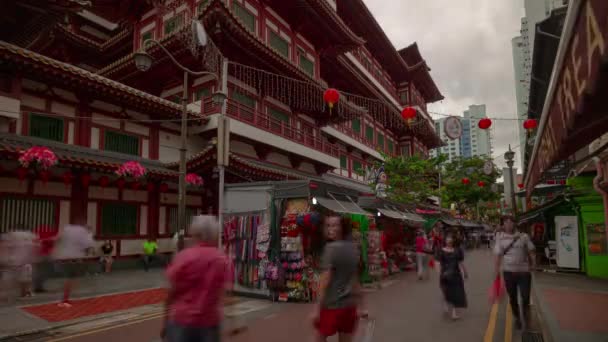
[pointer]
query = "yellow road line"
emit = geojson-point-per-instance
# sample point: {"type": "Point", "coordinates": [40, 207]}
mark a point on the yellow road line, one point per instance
{"type": "Point", "coordinates": [491, 324]}
{"type": "Point", "coordinates": [509, 324]}
{"type": "Point", "coordinates": [110, 327]}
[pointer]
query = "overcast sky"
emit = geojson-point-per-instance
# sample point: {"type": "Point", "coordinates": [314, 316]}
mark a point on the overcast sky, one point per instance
{"type": "Point", "coordinates": [467, 44]}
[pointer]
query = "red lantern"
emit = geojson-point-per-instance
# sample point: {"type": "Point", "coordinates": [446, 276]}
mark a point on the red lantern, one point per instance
{"type": "Point", "coordinates": [484, 123]}
{"type": "Point", "coordinates": [85, 180]}
{"type": "Point", "coordinates": [465, 181]}
{"type": "Point", "coordinates": [44, 176]}
{"type": "Point", "coordinates": [408, 114]}
{"type": "Point", "coordinates": [520, 185]}
{"type": "Point", "coordinates": [135, 185]}
{"type": "Point", "coordinates": [481, 184]}
{"type": "Point", "coordinates": [104, 181]}
{"type": "Point", "coordinates": [21, 174]}
{"type": "Point", "coordinates": [164, 187]}
{"type": "Point", "coordinates": [331, 97]}
{"type": "Point", "coordinates": [530, 124]}
{"type": "Point", "coordinates": [150, 186]}
{"type": "Point", "coordinates": [551, 182]}
{"type": "Point", "coordinates": [67, 178]}
{"type": "Point", "coordinates": [120, 183]}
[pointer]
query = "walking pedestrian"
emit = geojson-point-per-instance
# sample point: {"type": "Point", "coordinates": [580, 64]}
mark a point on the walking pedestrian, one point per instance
{"type": "Point", "coordinates": [515, 256]}
{"type": "Point", "coordinates": [106, 259]}
{"type": "Point", "coordinates": [437, 238]}
{"type": "Point", "coordinates": [422, 250]}
{"type": "Point", "coordinates": [44, 265]}
{"type": "Point", "coordinates": [451, 278]}
{"type": "Point", "coordinates": [150, 248]}
{"type": "Point", "coordinates": [340, 297]}
{"type": "Point", "coordinates": [198, 277]}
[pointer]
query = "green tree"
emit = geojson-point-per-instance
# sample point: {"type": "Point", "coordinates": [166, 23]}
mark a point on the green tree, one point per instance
{"type": "Point", "coordinates": [468, 196]}
{"type": "Point", "coordinates": [412, 179]}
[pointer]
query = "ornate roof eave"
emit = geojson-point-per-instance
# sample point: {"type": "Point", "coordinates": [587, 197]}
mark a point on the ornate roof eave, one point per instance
{"type": "Point", "coordinates": [88, 81]}
{"type": "Point", "coordinates": [352, 39]}
{"type": "Point", "coordinates": [87, 42]}
{"type": "Point", "coordinates": [419, 68]}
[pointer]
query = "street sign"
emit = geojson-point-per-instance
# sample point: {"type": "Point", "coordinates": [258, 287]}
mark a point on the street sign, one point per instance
{"type": "Point", "coordinates": [453, 127]}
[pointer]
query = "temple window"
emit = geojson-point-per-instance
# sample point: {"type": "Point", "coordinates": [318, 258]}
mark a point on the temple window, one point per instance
{"type": "Point", "coordinates": [201, 93]}
{"type": "Point", "coordinates": [306, 63]}
{"type": "Point", "coordinates": [380, 141]}
{"type": "Point", "coordinates": [173, 24]}
{"type": "Point", "coordinates": [121, 143]}
{"type": "Point", "coordinates": [47, 127]}
{"type": "Point", "coordinates": [245, 16]}
{"type": "Point", "coordinates": [278, 115]}
{"type": "Point", "coordinates": [172, 224]}
{"type": "Point", "coordinates": [145, 36]}
{"type": "Point", "coordinates": [243, 99]}
{"type": "Point", "coordinates": [391, 147]}
{"type": "Point", "coordinates": [343, 162]}
{"type": "Point", "coordinates": [369, 133]}
{"type": "Point", "coordinates": [278, 43]}
{"type": "Point", "coordinates": [357, 167]}
{"type": "Point", "coordinates": [119, 219]}
{"type": "Point", "coordinates": [29, 213]}
{"type": "Point", "coordinates": [356, 126]}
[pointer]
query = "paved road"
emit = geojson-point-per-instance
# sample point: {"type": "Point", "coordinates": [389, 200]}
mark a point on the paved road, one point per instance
{"type": "Point", "coordinates": [405, 310]}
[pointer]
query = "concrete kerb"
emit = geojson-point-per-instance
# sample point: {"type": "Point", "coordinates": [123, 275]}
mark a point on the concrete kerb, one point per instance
{"type": "Point", "coordinates": [540, 312]}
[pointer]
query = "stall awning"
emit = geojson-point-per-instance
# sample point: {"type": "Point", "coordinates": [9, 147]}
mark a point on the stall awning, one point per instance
{"type": "Point", "coordinates": [391, 213]}
{"type": "Point", "coordinates": [450, 222]}
{"type": "Point", "coordinates": [341, 206]}
{"type": "Point", "coordinates": [413, 217]}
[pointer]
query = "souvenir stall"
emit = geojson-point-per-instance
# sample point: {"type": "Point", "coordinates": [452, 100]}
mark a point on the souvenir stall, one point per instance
{"type": "Point", "coordinates": [272, 233]}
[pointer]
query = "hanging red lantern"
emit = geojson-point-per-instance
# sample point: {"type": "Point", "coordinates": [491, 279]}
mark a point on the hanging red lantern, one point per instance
{"type": "Point", "coordinates": [484, 123]}
{"type": "Point", "coordinates": [85, 180]}
{"type": "Point", "coordinates": [466, 181]}
{"type": "Point", "coordinates": [120, 183]}
{"type": "Point", "coordinates": [520, 185]}
{"type": "Point", "coordinates": [150, 186]}
{"type": "Point", "coordinates": [164, 187]}
{"type": "Point", "coordinates": [135, 185]}
{"type": "Point", "coordinates": [44, 176]}
{"type": "Point", "coordinates": [21, 174]}
{"type": "Point", "coordinates": [331, 97]}
{"type": "Point", "coordinates": [104, 181]}
{"type": "Point", "coordinates": [67, 178]}
{"type": "Point", "coordinates": [530, 124]}
{"type": "Point", "coordinates": [481, 184]}
{"type": "Point", "coordinates": [408, 114]}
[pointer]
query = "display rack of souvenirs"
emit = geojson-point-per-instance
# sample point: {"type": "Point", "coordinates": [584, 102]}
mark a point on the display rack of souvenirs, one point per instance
{"type": "Point", "coordinates": [374, 258]}
{"type": "Point", "coordinates": [247, 239]}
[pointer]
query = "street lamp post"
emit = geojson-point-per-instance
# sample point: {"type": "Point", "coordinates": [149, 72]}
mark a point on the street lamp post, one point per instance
{"type": "Point", "coordinates": [143, 62]}
{"type": "Point", "coordinates": [509, 156]}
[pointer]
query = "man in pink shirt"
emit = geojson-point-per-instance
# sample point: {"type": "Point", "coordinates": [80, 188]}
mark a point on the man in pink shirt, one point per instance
{"type": "Point", "coordinates": [199, 277]}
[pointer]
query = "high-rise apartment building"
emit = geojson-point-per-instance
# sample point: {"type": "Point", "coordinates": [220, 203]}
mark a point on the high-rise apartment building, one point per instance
{"type": "Point", "coordinates": [522, 46]}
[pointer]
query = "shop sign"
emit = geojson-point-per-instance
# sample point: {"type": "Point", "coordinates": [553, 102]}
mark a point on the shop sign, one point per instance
{"type": "Point", "coordinates": [577, 77]}
{"type": "Point", "coordinates": [566, 232]}
{"type": "Point", "coordinates": [453, 127]}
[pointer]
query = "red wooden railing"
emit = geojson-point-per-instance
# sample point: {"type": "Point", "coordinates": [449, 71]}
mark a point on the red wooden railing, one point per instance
{"type": "Point", "coordinates": [296, 130]}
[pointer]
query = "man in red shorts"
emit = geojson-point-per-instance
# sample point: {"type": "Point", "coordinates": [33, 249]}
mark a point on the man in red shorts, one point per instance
{"type": "Point", "coordinates": [339, 293]}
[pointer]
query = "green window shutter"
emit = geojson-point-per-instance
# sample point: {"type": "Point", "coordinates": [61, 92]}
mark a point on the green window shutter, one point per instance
{"type": "Point", "coordinates": [173, 24]}
{"type": "Point", "coordinates": [369, 133]}
{"type": "Point", "coordinates": [356, 125]}
{"type": "Point", "coordinates": [246, 17]}
{"type": "Point", "coordinates": [201, 6]}
{"type": "Point", "coordinates": [122, 143]}
{"type": "Point", "coordinates": [343, 162]}
{"type": "Point", "coordinates": [201, 93]}
{"type": "Point", "coordinates": [118, 219]}
{"type": "Point", "coordinates": [243, 99]}
{"type": "Point", "coordinates": [306, 64]}
{"type": "Point", "coordinates": [357, 167]}
{"type": "Point", "coordinates": [146, 36]}
{"type": "Point", "coordinates": [278, 115]}
{"type": "Point", "coordinates": [27, 214]}
{"type": "Point", "coordinates": [46, 127]}
{"type": "Point", "coordinates": [190, 212]}
{"type": "Point", "coordinates": [381, 141]}
{"type": "Point", "coordinates": [279, 44]}
{"type": "Point", "coordinates": [391, 147]}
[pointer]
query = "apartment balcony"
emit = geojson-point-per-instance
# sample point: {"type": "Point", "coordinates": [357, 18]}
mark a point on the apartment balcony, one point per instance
{"type": "Point", "coordinates": [295, 130]}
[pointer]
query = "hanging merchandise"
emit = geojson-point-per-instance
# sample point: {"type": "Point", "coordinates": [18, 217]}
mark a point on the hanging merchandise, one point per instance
{"type": "Point", "coordinates": [374, 255]}
{"type": "Point", "coordinates": [243, 243]}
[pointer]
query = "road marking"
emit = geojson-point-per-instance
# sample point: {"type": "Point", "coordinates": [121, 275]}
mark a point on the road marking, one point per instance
{"type": "Point", "coordinates": [509, 324]}
{"type": "Point", "coordinates": [111, 327]}
{"type": "Point", "coordinates": [491, 324]}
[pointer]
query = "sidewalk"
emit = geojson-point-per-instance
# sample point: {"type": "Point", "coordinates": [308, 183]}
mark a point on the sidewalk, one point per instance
{"type": "Point", "coordinates": [572, 307]}
{"type": "Point", "coordinates": [27, 314]}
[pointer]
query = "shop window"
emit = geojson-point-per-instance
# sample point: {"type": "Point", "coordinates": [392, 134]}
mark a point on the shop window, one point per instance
{"type": "Point", "coordinates": [122, 143]}
{"type": "Point", "coordinates": [173, 224]}
{"type": "Point", "coordinates": [381, 141]}
{"type": "Point", "coordinates": [172, 24]}
{"type": "Point", "coordinates": [146, 36]}
{"type": "Point", "coordinates": [243, 99]}
{"type": "Point", "coordinates": [46, 127]}
{"type": "Point", "coordinates": [369, 133]}
{"type": "Point", "coordinates": [201, 6]}
{"type": "Point", "coordinates": [201, 93]}
{"type": "Point", "coordinates": [391, 147]}
{"type": "Point", "coordinates": [357, 167]}
{"type": "Point", "coordinates": [119, 219]}
{"type": "Point", "coordinates": [306, 64]}
{"type": "Point", "coordinates": [343, 162]}
{"type": "Point", "coordinates": [26, 214]}
{"type": "Point", "coordinates": [278, 43]}
{"type": "Point", "coordinates": [278, 115]}
{"type": "Point", "coordinates": [405, 150]}
{"type": "Point", "coordinates": [356, 126]}
{"type": "Point", "coordinates": [246, 17]}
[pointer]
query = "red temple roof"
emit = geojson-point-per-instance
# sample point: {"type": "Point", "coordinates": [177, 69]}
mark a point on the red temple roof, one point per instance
{"type": "Point", "coordinates": [420, 71]}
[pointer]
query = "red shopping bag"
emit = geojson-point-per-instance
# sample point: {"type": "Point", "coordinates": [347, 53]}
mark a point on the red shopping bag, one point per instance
{"type": "Point", "coordinates": [497, 290]}
{"type": "Point", "coordinates": [432, 263]}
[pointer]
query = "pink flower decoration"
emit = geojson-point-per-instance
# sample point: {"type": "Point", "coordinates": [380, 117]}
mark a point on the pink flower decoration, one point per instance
{"type": "Point", "coordinates": [194, 179]}
{"type": "Point", "coordinates": [38, 155]}
{"type": "Point", "coordinates": [131, 168]}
